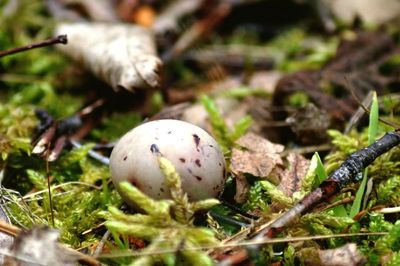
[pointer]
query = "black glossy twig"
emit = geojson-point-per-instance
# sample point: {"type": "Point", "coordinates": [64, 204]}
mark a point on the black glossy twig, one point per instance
{"type": "Point", "coordinates": [345, 174]}
{"type": "Point", "coordinates": [59, 39]}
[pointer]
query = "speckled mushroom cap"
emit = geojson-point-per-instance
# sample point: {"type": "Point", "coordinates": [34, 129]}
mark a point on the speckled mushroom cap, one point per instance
{"type": "Point", "coordinates": [194, 153]}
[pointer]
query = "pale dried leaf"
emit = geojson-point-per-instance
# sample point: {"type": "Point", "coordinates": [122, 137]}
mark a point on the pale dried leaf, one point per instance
{"type": "Point", "coordinates": [345, 255]}
{"type": "Point", "coordinates": [122, 55]}
{"type": "Point", "coordinates": [369, 11]}
{"type": "Point", "coordinates": [292, 177]}
{"type": "Point", "coordinates": [257, 157]}
{"type": "Point", "coordinates": [39, 246]}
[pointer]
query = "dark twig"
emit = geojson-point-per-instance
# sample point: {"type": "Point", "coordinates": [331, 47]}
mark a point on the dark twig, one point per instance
{"type": "Point", "coordinates": [345, 174]}
{"type": "Point", "coordinates": [59, 39]}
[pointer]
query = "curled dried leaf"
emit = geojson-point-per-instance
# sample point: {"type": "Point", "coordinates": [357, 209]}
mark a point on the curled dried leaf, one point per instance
{"type": "Point", "coordinates": [124, 56]}
{"type": "Point", "coordinates": [257, 157]}
{"type": "Point", "coordinates": [39, 246]}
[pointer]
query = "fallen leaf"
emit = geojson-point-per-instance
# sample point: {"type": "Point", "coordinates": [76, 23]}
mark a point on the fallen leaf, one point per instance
{"type": "Point", "coordinates": [257, 157]}
{"type": "Point", "coordinates": [124, 56]}
{"type": "Point", "coordinates": [242, 188]}
{"type": "Point", "coordinates": [39, 246]}
{"type": "Point", "coordinates": [292, 177]}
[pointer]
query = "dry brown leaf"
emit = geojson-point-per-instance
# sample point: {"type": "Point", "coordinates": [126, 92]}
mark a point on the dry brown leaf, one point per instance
{"type": "Point", "coordinates": [242, 188]}
{"type": "Point", "coordinates": [257, 157]}
{"type": "Point", "coordinates": [122, 55]}
{"type": "Point", "coordinates": [39, 246]}
{"type": "Point", "coordinates": [292, 177]}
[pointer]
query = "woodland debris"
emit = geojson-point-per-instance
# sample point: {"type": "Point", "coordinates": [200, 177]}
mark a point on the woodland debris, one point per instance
{"type": "Point", "coordinates": [345, 174]}
{"type": "Point", "coordinates": [41, 236]}
{"type": "Point", "coordinates": [124, 56]}
{"type": "Point", "coordinates": [356, 65]}
{"type": "Point", "coordinates": [293, 176]}
{"type": "Point", "coordinates": [232, 56]}
{"type": "Point", "coordinates": [309, 123]}
{"type": "Point", "coordinates": [199, 29]}
{"type": "Point", "coordinates": [256, 156]}
{"type": "Point", "coordinates": [5, 239]}
{"type": "Point", "coordinates": [39, 246]}
{"type": "Point", "coordinates": [52, 135]}
{"type": "Point", "coordinates": [344, 255]}
{"type": "Point", "coordinates": [169, 17]}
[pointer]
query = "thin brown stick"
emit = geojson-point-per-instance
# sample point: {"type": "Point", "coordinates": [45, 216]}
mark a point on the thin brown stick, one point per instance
{"type": "Point", "coordinates": [361, 104]}
{"type": "Point", "coordinates": [83, 258]}
{"type": "Point", "coordinates": [59, 39]}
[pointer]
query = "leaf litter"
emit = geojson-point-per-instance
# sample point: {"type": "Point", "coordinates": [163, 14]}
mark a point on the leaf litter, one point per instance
{"type": "Point", "coordinates": [256, 131]}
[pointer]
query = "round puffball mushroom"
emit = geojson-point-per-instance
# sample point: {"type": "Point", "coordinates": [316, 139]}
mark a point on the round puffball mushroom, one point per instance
{"type": "Point", "coordinates": [194, 153]}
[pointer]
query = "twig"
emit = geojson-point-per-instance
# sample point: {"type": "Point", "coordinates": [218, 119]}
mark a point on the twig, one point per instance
{"type": "Point", "coordinates": [201, 28]}
{"type": "Point", "coordinates": [83, 258]}
{"type": "Point", "coordinates": [95, 155]}
{"type": "Point", "coordinates": [59, 39]}
{"type": "Point", "coordinates": [361, 104]}
{"type": "Point", "coordinates": [345, 174]}
{"type": "Point", "coordinates": [389, 210]}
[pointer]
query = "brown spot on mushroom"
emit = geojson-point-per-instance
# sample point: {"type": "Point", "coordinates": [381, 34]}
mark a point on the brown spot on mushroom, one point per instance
{"type": "Point", "coordinates": [169, 132]}
{"type": "Point", "coordinates": [161, 189]}
{"type": "Point", "coordinates": [224, 172]}
{"type": "Point", "coordinates": [199, 178]}
{"type": "Point", "coordinates": [197, 162]}
{"type": "Point", "coordinates": [134, 182]}
{"type": "Point", "coordinates": [182, 160]}
{"type": "Point", "coordinates": [126, 157]}
{"type": "Point", "coordinates": [154, 148]}
{"type": "Point", "coordinates": [196, 141]}
{"type": "Point", "coordinates": [211, 146]}
{"type": "Point", "coordinates": [220, 164]}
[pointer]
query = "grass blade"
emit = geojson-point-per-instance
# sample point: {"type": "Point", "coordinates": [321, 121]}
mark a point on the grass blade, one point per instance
{"type": "Point", "coordinates": [372, 131]}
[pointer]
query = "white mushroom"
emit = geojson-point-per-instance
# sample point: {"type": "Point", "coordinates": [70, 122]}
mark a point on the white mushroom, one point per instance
{"type": "Point", "coordinates": [194, 153]}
